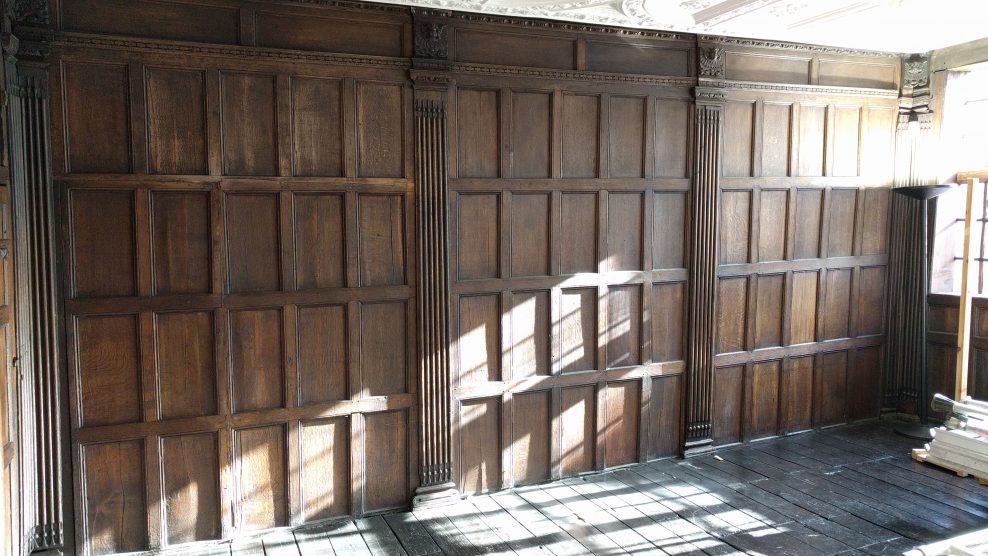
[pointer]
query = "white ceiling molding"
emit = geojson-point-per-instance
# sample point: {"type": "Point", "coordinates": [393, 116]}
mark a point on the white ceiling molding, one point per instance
{"type": "Point", "coordinates": [886, 25]}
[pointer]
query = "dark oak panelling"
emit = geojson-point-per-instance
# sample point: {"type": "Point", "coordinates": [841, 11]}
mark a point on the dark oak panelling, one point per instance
{"type": "Point", "coordinates": [261, 473]}
{"type": "Point", "coordinates": [96, 110]}
{"type": "Point", "coordinates": [480, 446]}
{"type": "Point", "coordinates": [478, 147]}
{"type": "Point", "coordinates": [186, 364]}
{"type": "Point", "coordinates": [250, 143]}
{"type": "Point", "coordinates": [116, 519]}
{"type": "Point", "coordinates": [530, 132]}
{"type": "Point", "coordinates": [181, 230]}
{"type": "Point", "coordinates": [190, 482]}
{"type": "Point", "coordinates": [325, 468]}
{"type": "Point", "coordinates": [581, 152]}
{"type": "Point", "coordinates": [320, 232]}
{"type": "Point", "coordinates": [110, 377]}
{"type": "Point", "coordinates": [176, 103]}
{"type": "Point", "coordinates": [317, 126]}
{"type": "Point", "coordinates": [103, 249]}
{"type": "Point", "coordinates": [530, 457]}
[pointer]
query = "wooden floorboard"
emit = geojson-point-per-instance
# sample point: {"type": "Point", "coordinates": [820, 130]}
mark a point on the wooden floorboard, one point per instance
{"type": "Point", "coordinates": [851, 490]}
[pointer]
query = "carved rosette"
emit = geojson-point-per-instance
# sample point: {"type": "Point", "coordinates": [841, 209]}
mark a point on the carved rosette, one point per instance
{"type": "Point", "coordinates": [916, 72]}
{"type": "Point", "coordinates": [712, 62]}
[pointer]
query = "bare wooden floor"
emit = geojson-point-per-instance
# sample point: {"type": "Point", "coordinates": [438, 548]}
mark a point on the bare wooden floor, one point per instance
{"type": "Point", "coordinates": [850, 490]}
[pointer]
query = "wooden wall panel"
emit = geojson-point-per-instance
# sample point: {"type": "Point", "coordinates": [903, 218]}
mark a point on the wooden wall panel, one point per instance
{"type": "Point", "coordinates": [833, 388]}
{"type": "Point", "coordinates": [97, 107]}
{"type": "Point", "coordinates": [668, 321]}
{"type": "Point", "coordinates": [577, 419]}
{"type": "Point", "coordinates": [735, 218]}
{"type": "Point", "coordinates": [842, 73]}
{"type": "Point", "coordinates": [772, 222]}
{"type": "Point", "coordinates": [253, 242]}
{"type": "Point", "coordinates": [325, 468]}
{"type": "Point", "coordinates": [626, 121]}
{"type": "Point", "coordinates": [305, 31]}
{"type": "Point", "coordinates": [531, 125]}
{"type": "Point", "coordinates": [624, 231]}
{"type": "Point", "coordinates": [624, 317]}
{"type": "Point", "coordinates": [380, 130]}
{"type": "Point", "coordinates": [864, 384]}
{"type": "Point", "coordinates": [812, 127]}
{"type": "Point", "coordinates": [176, 105]}
{"type": "Point", "coordinates": [530, 234]}
{"type": "Point", "coordinates": [842, 217]}
{"type": "Point", "coordinates": [578, 252]}
{"type": "Point", "coordinates": [877, 159]}
{"type": "Point", "coordinates": [250, 143]}
{"type": "Point", "coordinates": [530, 326]}
{"type": "Point", "coordinates": [317, 126]}
{"type": "Point", "coordinates": [847, 125]}
{"type": "Point", "coordinates": [623, 57]}
{"type": "Point", "coordinates": [530, 437]}
{"type": "Point", "coordinates": [739, 120]}
{"type": "Point", "coordinates": [103, 243]}
{"type": "Point", "coordinates": [186, 364]}
{"type": "Point", "coordinates": [478, 247]}
{"type": "Point", "coordinates": [665, 407]}
{"type": "Point", "coordinates": [182, 242]}
{"type": "Point", "coordinates": [381, 240]}
{"type": "Point", "coordinates": [776, 138]}
{"type": "Point", "coordinates": [797, 393]}
{"type": "Point", "coordinates": [261, 477]}
{"type": "Point", "coordinates": [514, 49]}
{"type": "Point", "coordinates": [767, 68]}
{"type": "Point", "coordinates": [256, 360]}
{"type": "Point", "coordinates": [732, 310]}
{"type": "Point", "coordinates": [109, 370]}
{"type": "Point", "coordinates": [765, 398]}
{"type": "Point", "coordinates": [669, 230]}
{"type": "Point", "coordinates": [478, 145]}
{"type": "Point", "coordinates": [728, 400]}
{"type": "Point", "coordinates": [836, 309]}
{"type": "Point", "coordinates": [480, 445]}
{"type": "Point", "coordinates": [189, 22]}
{"type": "Point", "coordinates": [809, 206]}
{"type": "Point", "coordinates": [115, 500]}
{"type": "Point", "coordinates": [876, 210]}
{"type": "Point", "coordinates": [383, 361]}
{"type": "Point", "coordinates": [581, 136]}
{"type": "Point", "coordinates": [621, 423]}
{"type": "Point", "coordinates": [386, 442]}
{"type": "Point", "coordinates": [769, 308]}
{"type": "Point", "coordinates": [322, 354]}
{"type": "Point", "coordinates": [320, 259]}
{"type": "Point", "coordinates": [479, 338]}
{"type": "Point", "coordinates": [578, 329]}
{"type": "Point", "coordinates": [672, 119]}
{"type": "Point", "coordinates": [802, 316]}
{"type": "Point", "coordinates": [191, 487]}
{"type": "Point", "coordinates": [871, 301]}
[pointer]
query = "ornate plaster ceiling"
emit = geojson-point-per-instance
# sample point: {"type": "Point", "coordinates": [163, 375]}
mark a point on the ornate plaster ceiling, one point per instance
{"type": "Point", "coordinates": [905, 26]}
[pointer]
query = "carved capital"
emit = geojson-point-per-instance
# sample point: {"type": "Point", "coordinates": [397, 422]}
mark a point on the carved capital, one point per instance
{"type": "Point", "coordinates": [712, 62]}
{"type": "Point", "coordinates": [916, 72]}
{"type": "Point", "coordinates": [31, 23]}
{"type": "Point", "coordinates": [709, 94]}
{"type": "Point", "coordinates": [431, 40]}
{"type": "Point", "coordinates": [429, 78]}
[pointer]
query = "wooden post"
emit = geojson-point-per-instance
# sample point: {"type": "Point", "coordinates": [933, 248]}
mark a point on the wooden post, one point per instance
{"type": "Point", "coordinates": [964, 312]}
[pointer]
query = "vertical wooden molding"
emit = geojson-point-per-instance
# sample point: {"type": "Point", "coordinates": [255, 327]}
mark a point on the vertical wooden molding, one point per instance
{"type": "Point", "coordinates": [703, 265]}
{"type": "Point", "coordinates": [432, 84]}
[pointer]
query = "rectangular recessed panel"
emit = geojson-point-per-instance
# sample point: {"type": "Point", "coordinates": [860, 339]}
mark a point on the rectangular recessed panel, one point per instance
{"type": "Point", "coordinates": [182, 236]}
{"type": "Point", "coordinates": [811, 144]}
{"type": "Point", "coordinates": [836, 311]}
{"type": "Point", "coordinates": [732, 309]}
{"type": "Point", "coordinates": [256, 361]}
{"type": "Point", "coordinates": [479, 340]}
{"type": "Point", "coordinates": [668, 230]}
{"type": "Point", "coordinates": [776, 128]}
{"type": "Point", "coordinates": [578, 329]}
{"type": "Point", "coordinates": [176, 104]}
{"type": "Point", "coordinates": [103, 243]}
{"type": "Point", "coordinates": [477, 133]}
{"type": "Point", "coordinates": [383, 356]}
{"type": "Point", "coordinates": [624, 231]}
{"type": "Point", "coordinates": [253, 242]}
{"type": "Point", "coordinates": [772, 225]}
{"type": "Point", "coordinates": [186, 364]}
{"type": "Point", "coordinates": [878, 145]}
{"type": "Point", "coordinates": [768, 69]}
{"type": "Point", "coordinates": [325, 470]}
{"type": "Point", "coordinates": [317, 126]}
{"type": "Point", "coordinates": [578, 245]}
{"type": "Point", "coordinates": [480, 445]}
{"type": "Point", "coordinates": [808, 209]}
{"type": "Point", "coordinates": [530, 326]}
{"type": "Point", "coordinates": [530, 437]}
{"type": "Point", "coordinates": [847, 120]}
{"type": "Point", "coordinates": [735, 226]}
{"type": "Point", "coordinates": [97, 119]}
{"type": "Point", "coordinates": [668, 318]}
{"type": "Point", "coordinates": [380, 130]}
{"type": "Point", "coordinates": [797, 396]}
{"type": "Point", "coordinates": [530, 234]}
{"type": "Point", "coordinates": [249, 125]}
{"type": "Point", "coordinates": [511, 49]}
{"type": "Point", "coordinates": [322, 354]}
{"type": "Point", "coordinates": [871, 300]}
{"type": "Point", "coordinates": [768, 317]}
{"type": "Point", "coordinates": [261, 477]}
{"type": "Point", "coordinates": [581, 123]}
{"type": "Point", "coordinates": [320, 257]}
{"type": "Point", "coordinates": [381, 239]}
{"type": "Point", "coordinates": [664, 412]}
{"type": "Point", "coordinates": [386, 463]}
{"type": "Point", "coordinates": [833, 391]}
{"type": "Point", "coordinates": [191, 484]}
{"type": "Point", "coordinates": [477, 244]}
{"type": "Point", "coordinates": [624, 320]}
{"type": "Point", "coordinates": [109, 369]}
{"type": "Point", "coordinates": [841, 239]}
{"type": "Point", "coordinates": [739, 120]}
{"type": "Point", "coordinates": [577, 422]}
{"type": "Point", "coordinates": [802, 316]}
{"type": "Point", "coordinates": [531, 124]}
{"type": "Point", "coordinates": [864, 384]}
{"type": "Point", "coordinates": [842, 73]}
{"type": "Point", "coordinates": [624, 57]}
{"type": "Point", "coordinates": [163, 20]}
{"type": "Point", "coordinates": [727, 406]}
{"type": "Point", "coordinates": [621, 434]}
{"type": "Point", "coordinates": [765, 398]}
{"type": "Point", "coordinates": [626, 123]}
{"type": "Point", "coordinates": [875, 232]}
{"type": "Point", "coordinates": [115, 502]}
{"type": "Point", "coordinates": [672, 123]}
{"type": "Point", "coordinates": [304, 31]}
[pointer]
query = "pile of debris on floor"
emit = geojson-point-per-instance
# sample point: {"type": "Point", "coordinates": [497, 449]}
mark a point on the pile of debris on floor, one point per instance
{"type": "Point", "coordinates": [961, 444]}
